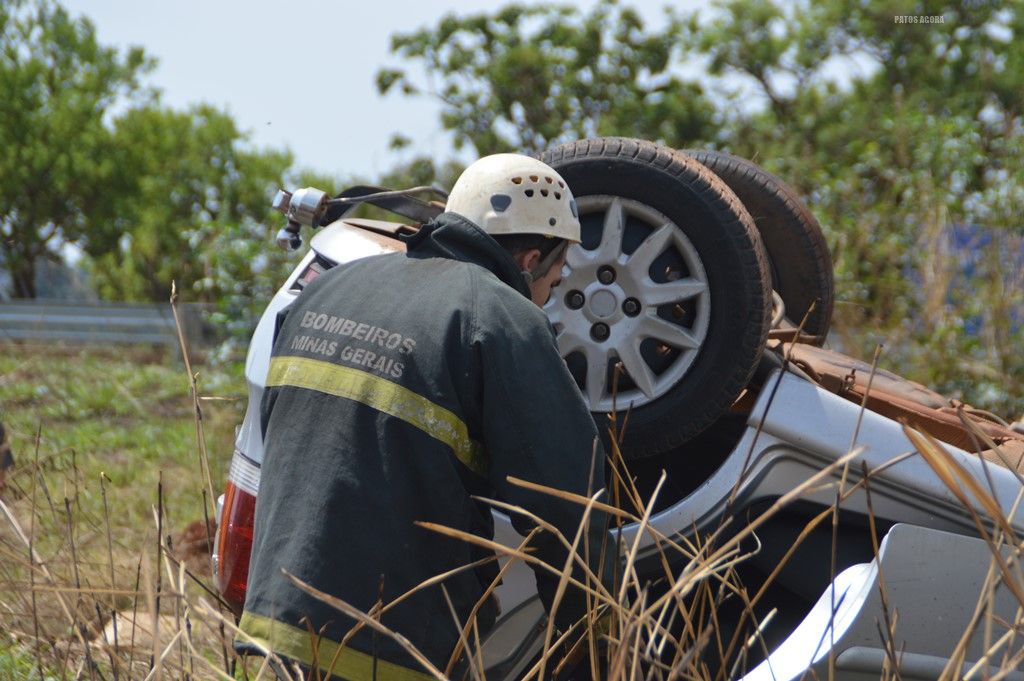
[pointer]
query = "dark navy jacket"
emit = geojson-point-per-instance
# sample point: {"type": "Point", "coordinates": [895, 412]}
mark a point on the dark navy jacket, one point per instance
{"type": "Point", "coordinates": [400, 386]}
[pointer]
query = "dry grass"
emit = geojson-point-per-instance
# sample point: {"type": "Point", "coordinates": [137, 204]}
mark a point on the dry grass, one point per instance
{"type": "Point", "coordinates": [113, 466]}
{"type": "Point", "coordinates": [105, 448]}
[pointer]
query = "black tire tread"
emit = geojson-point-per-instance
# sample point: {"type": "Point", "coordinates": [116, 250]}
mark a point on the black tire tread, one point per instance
{"type": "Point", "coordinates": [736, 226]}
{"type": "Point", "coordinates": [789, 231]}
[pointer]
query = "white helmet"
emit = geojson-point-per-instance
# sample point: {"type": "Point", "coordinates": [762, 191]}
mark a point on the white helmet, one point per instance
{"type": "Point", "coordinates": [515, 194]}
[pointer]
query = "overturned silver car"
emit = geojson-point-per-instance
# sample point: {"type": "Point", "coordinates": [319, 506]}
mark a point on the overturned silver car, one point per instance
{"type": "Point", "coordinates": [786, 510]}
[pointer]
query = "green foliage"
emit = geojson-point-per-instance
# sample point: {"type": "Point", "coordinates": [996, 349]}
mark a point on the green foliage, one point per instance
{"type": "Point", "coordinates": [16, 663]}
{"type": "Point", "coordinates": [57, 160]}
{"type": "Point", "coordinates": [191, 176]}
{"type": "Point", "coordinates": [152, 195]}
{"type": "Point", "coordinates": [525, 77]}
{"type": "Point", "coordinates": [126, 415]}
{"type": "Point", "coordinates": [198, 190]}
{"type": "Point", "coordinates": [895, 133]}
{"type": "Point", "coordinates": [926, 134]}
{"type": "Point", "coordinates": [420, 171]}
{"type": "Point", "coordinates": [113, 428]}
{"type": "Point", "coordinates": [130, 189]}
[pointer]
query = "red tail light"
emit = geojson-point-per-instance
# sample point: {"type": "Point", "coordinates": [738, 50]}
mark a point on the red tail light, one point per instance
{"type": "Point", "coordinates": [234, 543]}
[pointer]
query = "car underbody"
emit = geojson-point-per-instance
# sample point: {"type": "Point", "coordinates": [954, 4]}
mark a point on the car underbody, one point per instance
{"type": "Point", "coordinates": [872, 514]}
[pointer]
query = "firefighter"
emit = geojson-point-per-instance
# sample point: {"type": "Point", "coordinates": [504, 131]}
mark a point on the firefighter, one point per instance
{"type": "Point", "coordinates": [400, 387]}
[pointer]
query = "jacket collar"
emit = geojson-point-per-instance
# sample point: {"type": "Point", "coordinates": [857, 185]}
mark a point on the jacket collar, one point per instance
{"type": "Point", "coordinates": [452, 236]}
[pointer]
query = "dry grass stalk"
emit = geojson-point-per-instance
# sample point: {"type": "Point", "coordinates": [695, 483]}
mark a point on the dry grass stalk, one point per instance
{"type": "Point", "coordinates": [563, 581]}
{"type": "Point", "coordinates": [204, 457]}
{"type": "Point", "coordinates": [483, 599]}
{"type": "Point", "coordinates": [673, 635]}
{"type": "Point", "coordinates": [37, 563]}
{"type": "Point", "coordinates": [368, 622]}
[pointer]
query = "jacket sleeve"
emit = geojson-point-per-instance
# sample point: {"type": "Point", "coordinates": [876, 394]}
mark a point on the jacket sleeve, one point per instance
{"type": "Point", "coordinates": [536, 427]}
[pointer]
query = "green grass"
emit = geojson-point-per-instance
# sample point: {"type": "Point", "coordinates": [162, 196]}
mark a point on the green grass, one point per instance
{"type": "Point", "coordinates": [16, 665]}
{"type": "Point", "coordinates": [115, 420]}
{"type": "Point", "coordinates": [125, 418]}
{"type": "Point", "coordinates": [124, 414]}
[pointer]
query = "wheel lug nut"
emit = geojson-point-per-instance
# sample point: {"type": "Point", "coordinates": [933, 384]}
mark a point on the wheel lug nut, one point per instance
{"type": "Point", "coordinates": [606, 275]}
{"type": "Point", "coordinates": [575, 300]}
{"type": "Point", "coordinates": [631, 306]}
{"type": "Point", "coordinates": [599, 332]}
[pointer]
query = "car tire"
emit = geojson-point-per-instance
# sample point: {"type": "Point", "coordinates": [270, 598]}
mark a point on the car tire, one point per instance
{"type": "Point", "coordinates": [679, 244]}
{"type": "Point", "coordinates": [801, 265]}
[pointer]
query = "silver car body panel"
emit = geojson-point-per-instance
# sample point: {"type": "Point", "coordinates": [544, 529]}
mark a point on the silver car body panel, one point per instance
{"type": "Point", "coordinates": [931, 593]}
{"type": "Point", "coordinates": [339, 242]}
{"type": "Point", "coordinates": [795, 430]}
{"type": "Point", "coordinates": [793, 433]}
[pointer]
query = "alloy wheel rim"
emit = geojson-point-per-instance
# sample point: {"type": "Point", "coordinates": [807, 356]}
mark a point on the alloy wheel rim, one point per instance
{"type": "Point", "coordinates": [637, 297]}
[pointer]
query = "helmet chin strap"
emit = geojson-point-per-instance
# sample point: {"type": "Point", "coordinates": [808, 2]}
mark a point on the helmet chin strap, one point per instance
{"type": "Point", "coordinates": [545, 263]}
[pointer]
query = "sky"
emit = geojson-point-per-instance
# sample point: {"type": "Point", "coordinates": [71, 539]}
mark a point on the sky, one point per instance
{"type": "Point", "coordinates": [297, 74]}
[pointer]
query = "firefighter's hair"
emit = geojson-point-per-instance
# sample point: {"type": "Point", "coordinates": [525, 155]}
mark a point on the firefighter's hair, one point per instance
{"type": "Point", "coordinates": [520, 243]}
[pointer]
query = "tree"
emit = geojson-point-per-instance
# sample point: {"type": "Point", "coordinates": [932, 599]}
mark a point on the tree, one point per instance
{"type": "Point", "coordinates": [56, 167]}
{"type": "Point", "coordinates": [194, 182]}
{"type": "Point", "coordinates": [151, 195]}
{"type": "Point", "coordinates": [902, 136]}
{"type": "Point", "coordinates": [920, 143]}
{"type": "Point", "coordinates": [524, 78]}
{"type": "Point", "coordinates": [195, 210]}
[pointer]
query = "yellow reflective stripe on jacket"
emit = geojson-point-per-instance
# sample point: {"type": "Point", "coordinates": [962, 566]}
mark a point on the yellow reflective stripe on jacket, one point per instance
{"type": "Point", "coordinates": [297, 644]}
{"type": "Point", "coordinates": [383, 395]}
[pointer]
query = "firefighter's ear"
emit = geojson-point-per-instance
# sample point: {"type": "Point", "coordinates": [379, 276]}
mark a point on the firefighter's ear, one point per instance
{"type": "Point", "coordinates": [527, 260]}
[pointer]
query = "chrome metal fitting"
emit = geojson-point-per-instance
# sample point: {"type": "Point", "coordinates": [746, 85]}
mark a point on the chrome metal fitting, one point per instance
{"type": "Point", "coordinates": [281, 201]}
{"type": "Point", "coordinates": [307, 206]}
{"type": "Point", "coordinates": [289, 239]}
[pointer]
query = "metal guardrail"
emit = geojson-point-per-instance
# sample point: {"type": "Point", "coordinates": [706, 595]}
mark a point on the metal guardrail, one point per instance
{"type": "Point", "coordinates": [84, 322]}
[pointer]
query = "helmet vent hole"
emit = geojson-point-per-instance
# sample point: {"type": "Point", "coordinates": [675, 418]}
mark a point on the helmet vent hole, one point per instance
{"type": "Point", "coordinates": [500, 202]}
{"type": "Point", "coordinates": [558, 196]}
{"type": "Point", "coordinates": [561, 185]}
{"type": "Point", "coordinates": [543, 192]}
{"type": "Point", "coordinates": [517, 180]}
{"type": "Point", "coordinates": [548, 179]}
{"type": "Point", "coordinates": [552, 222]}
{"type": "Point", "coordinates": [529, 192]}
{"type": "Point", "coordinates": [534, 178]}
